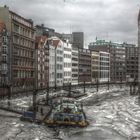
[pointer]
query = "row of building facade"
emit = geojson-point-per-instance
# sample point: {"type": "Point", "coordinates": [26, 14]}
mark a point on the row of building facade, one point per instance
{"type": "Point", "coordinates": [59, 62]}
{"type": "Point", "coordinates": [67, 64]}
{"type": "Point", "coordinates": [123, 59]}
{"type": "Point", "coordinates": [38, 57]}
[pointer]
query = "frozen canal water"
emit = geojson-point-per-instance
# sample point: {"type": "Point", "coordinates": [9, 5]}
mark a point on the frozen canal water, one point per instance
{"type": "Point", "coordinates": [112, 116]}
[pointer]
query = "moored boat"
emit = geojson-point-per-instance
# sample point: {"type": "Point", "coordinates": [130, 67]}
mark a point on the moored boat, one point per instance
{"type": "Point", "coordinates": [67, 111]}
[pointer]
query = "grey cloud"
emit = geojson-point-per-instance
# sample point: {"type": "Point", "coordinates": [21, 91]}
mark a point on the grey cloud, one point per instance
{"type": "Point", "coordinates": [117, 18]}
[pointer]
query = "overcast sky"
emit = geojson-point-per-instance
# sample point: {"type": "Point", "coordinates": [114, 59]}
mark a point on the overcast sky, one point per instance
{"type": "Point", "coordinates": [114, 20]}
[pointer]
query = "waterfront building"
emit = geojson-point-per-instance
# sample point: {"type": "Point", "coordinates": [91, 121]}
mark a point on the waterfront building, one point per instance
{"type": "Point", "coordinates": [75, 62]}
{"type": "Point", "coordinates": [117, 58]}
{"type": "Point", "coordinates": [55, 62]}
{"type": "Point", "coordinates": [67, 58]}
{"type": "Point", "coordinates": [4, 59]}
{"type": "Point", "coordinates": [95, 66]}
{"type": "Point", "coordinates": [22, 46]}
{"type": "Point", "coordinates": [131, 63]}
{"type": "Point", "coordinates": [104, 67]}
{"type": "Point", "coordinates": [42, 61]}
{"type": "Point", "coordinates": [84, 67]}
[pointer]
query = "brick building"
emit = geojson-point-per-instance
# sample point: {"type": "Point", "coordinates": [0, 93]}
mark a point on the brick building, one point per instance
{"type": "Point", "coordinates": [42, 61]}
{"type": "Point", "coordinates": [22, 52]}
{"type": "Point", "coordinates": [4, 58]}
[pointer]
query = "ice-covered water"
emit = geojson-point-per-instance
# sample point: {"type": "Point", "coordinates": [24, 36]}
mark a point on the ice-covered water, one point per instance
{"type": "Point", "coordinates": [113, 115]}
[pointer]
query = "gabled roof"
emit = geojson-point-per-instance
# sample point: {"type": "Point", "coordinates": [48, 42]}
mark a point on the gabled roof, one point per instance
{"type": "Point", "coordinates": [54, 41]}
{"type": "Point", "coordinates": [41, 38]}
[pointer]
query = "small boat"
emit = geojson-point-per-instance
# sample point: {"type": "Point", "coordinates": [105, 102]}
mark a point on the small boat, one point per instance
{"type": "Point", "coordinates": [27, 116]}
{"type": "Point", "coordinates": [67, 111]}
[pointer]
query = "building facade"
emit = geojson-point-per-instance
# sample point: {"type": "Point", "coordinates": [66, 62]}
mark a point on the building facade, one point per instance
{"type": "Point", "coordinates": [67, 62]}
{"type": "Point", "coordinates": [118, 64]}
{"type": "Point", "coordinates": [84, 66]}
{"type": "Point", "coordinates": [4, 59]}
{"type": "Point", "coordinates": [104, 67]}
{"type": "Point", "coordinates": [131, 63]}
{"type": "Point", "coordinates": [59, 62]}
{"type": "Point", "coordinates": [22, 44]}
{"type": "Point", "coordinates": [75, 62]}
{"type": "Point", "coordinates": [56, 70]}
{"type": "Point", "coordinates": [117, 58]}
{"type": "Point", "coordinates": [51, 64]}
{"type": "Point", "coordinates": [42, 55]}
{"type": "Point", "coordinates": [67, 37]}
{"type": "Point", "coordinates": [78, 39]}
{"type": "Point", "coordinates": [95, 66]}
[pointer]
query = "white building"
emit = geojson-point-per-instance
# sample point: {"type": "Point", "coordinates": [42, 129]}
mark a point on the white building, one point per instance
{"type": "Point", "coordinates": [59, 64]}
{"type": "Point", "coordinates": [55, 62]}
{"type": "Point", "coordinates": [95, 66]}
{"type": "Point", "coordinates": [74, 65]}
{"type": "Point", "coordinates": [104, 71]}
{"type": "Point", "coordinates": [51, 65]}
{"type": "Point", "coordinates": [67, 62]}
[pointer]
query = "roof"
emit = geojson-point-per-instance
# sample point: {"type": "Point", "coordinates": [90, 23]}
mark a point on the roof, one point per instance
{"type": "Point", "coordinates": [27, 20]}
{"type": "Point", "coordinates": [54, 41]}
{"type": "Point", "coordinates": [41, 38]}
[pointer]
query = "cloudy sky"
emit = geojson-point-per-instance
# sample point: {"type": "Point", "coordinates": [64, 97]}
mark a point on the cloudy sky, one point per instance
{"type": "Point", "coordinates": [114, 20]}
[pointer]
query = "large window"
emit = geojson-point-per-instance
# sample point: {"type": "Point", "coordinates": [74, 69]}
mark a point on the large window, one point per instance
{"type": "Point", "coordinates": [16, 28]}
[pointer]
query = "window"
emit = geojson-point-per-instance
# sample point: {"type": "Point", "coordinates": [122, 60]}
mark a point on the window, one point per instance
{"type": "Point", "coordinates": [4, 39]}
{"type": "Point", "coordinates": [4, 58]}
{"type": "Point", "coordinates": [16, 28]}
{"type": "Point", "coordinates": [4, 67]}
{"type": "Point", "coordinates": [4, 49]}
{"type": "Point", "coordinates": [32, 73]}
